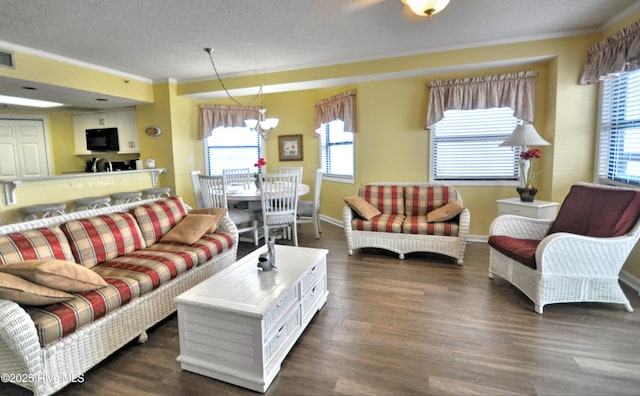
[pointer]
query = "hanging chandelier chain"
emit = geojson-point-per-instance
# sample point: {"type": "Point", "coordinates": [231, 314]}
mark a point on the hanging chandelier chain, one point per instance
{"type": "Point", "coordinates": [215, 69]}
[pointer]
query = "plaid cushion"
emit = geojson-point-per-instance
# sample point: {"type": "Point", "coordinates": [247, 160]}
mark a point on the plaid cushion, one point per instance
{"type": "Point", "coordinates": [204, 249]}
{"type": "Point", "coordinates": [157, 218]}
{"type": "Point", "coordinates": [55, 321]}
{"type": "Point", "coordinates": [420, 200]}
{"type": "Point", "coordinates": [150, 267]}
{"type": "Point", "coordinates": [383, 222]}
{"type": "Point", "coordinates": [388, 199]}
{"type": "Point", "coordinates": [419, 225]}
{"type": "Point", "coordinates": [101, 238]}
{"type": "Point", "coordinates": [41, 243]}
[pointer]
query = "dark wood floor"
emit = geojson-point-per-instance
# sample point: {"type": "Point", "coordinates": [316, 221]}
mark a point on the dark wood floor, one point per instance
{"type": "Point", "coordinates": [419, 326]}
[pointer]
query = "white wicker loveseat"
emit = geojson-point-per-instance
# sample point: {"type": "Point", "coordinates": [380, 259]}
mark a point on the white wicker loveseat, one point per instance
{"type": "Point", "coordinates": [32, 359]}
{"type": "Point", "coordinates": [402, 225]}
{"type": "Point", "coordinates": [575, 258]}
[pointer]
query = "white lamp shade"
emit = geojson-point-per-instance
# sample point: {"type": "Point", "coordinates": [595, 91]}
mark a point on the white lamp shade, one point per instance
{"type": "Point", "coordinates": [426, 7]}
{"type": "Point", "coordinates": [269, 123]}
{"type": "Point", "coordinates": [525, 135]}
{"type": "Point", "coordinates": [251, 123]}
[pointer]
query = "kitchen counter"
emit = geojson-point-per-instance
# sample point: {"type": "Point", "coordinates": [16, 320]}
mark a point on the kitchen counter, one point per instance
{"type": "Point", "coordinates": [10, 184]}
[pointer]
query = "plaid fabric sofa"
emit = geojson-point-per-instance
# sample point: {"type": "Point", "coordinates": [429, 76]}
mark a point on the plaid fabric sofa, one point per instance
{"type": "Point", "coordinates": [402, 225]}
{"type": "Point", "coordinates": [50, 346]}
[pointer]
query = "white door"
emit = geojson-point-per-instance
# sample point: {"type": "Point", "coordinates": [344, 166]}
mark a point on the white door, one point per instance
{"type": "Point", "coordinates": [23, 151]}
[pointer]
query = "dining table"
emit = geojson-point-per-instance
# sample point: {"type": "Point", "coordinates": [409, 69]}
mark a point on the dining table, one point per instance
{"type": "Point", "coordinates": [249, 193]}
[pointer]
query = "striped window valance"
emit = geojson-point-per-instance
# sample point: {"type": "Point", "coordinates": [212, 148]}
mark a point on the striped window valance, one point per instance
{"type": "Point", "coordinates": [514, 90]}
{"type": "Point", "coordinates": [339, 107]}
{"type": "Point", "coordinates": [613, 56]}
{"type": "Point", "coordinates": [213, 116]}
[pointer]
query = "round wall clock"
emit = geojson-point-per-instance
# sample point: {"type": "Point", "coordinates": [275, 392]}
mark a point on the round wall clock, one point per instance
{"type": "Point", "coordinates": [153, 131]}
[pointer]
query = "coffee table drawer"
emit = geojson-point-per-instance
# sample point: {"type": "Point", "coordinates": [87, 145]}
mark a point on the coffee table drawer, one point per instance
{"type": "Point", "coordinates": [277, 313]}
{"type": "Point", "coordinates": [312, 275]}
{"type": "Point", "coordinates": [279, 339]}
{"type": "Point", "coordinates": [310, 299]}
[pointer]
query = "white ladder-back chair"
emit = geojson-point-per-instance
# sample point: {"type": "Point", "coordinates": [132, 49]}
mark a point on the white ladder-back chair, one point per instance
{"type": "Point", "coordinates": [238, 176]}
{"type": "Point", "coordinates": [309, 211]}
{"type": "Point", "coordinates": [213, 195]}
{"type": "Point", "coordinates": [292, 169]}
{"type": "Point", "coordinates": [279, 196]}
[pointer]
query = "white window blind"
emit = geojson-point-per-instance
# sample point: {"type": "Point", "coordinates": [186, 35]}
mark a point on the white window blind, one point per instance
{"type": "Point", "coordinates": [336, 150]}
{"type": "Point", "coordinates": [465, 146]}
{"type": "Point", "coordinates": [619, 135]}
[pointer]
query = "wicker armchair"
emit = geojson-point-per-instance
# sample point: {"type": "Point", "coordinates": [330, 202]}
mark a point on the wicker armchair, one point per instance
{"type": "Point", "coordinates": [575, 258]}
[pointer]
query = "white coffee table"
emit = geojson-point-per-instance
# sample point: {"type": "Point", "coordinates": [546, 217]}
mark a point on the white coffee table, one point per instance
{"type": "Point", "coordinates": [239, 325]}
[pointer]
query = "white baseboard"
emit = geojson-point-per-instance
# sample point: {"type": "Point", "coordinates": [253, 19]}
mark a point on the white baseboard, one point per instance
{"type": "Point", "coordinates": [630, 281]}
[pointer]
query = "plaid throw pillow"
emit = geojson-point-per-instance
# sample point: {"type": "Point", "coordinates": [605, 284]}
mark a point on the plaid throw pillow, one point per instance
{"type": "Point", "coordinates": [41, 243]}
{"type": "Point", "coordinates": [157, 218]}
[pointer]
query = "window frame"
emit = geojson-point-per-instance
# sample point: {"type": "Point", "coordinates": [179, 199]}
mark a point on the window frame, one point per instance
{"type": "Point", "coordinates": [511, 181]}
{"type": "Point", "coordinates": [260, 147]}
{"type": "Point", "coordinates": [604, 148]}
{"type": "Point", "coordinates": [335, 177]}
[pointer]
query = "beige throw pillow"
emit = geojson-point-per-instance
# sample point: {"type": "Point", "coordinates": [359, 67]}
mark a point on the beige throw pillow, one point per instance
{"type": "Point", "coordinates": [217, 212]}
{"type": "Point", "coordinates": [363, 208]}
{"type": "Point", "coordinates": [24, 292]}
{"type": "Point", "coordinates": [56, 274]}
{"type": "Point", "coordinates": [191, 228]}
{"type": "Point", "coordinates": [445, 212]}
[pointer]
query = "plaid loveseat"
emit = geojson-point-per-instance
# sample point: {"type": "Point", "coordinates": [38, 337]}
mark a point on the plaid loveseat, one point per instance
{"type": "Point", "coordinates": [51, 345]}
{"type": "Point", "coordinates": [402, 225]}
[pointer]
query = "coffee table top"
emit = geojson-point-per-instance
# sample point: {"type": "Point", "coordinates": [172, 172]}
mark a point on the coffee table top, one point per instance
{"type": "Point", "coordinates": [243, 287]}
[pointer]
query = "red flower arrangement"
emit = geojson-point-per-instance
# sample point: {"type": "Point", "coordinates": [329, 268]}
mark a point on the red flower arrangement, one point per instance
{"type": "Point", "coordinates": [261, 162]}
{"type": "Point", "coordinates": [527, 165]}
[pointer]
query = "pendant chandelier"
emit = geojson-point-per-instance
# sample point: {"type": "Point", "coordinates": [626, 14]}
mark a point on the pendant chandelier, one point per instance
{"type": "Point", "coordinates": [262, 125]}
{"type": "Point", "coordinates": [426, 7]}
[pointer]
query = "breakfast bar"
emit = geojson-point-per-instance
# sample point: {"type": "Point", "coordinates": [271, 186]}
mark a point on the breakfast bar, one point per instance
{"type": "Point", "coordinates": [21, 192]}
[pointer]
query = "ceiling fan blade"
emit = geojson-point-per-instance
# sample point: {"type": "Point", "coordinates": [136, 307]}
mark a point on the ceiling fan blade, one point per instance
{"type": "Point", "coordinates": [358, 5]}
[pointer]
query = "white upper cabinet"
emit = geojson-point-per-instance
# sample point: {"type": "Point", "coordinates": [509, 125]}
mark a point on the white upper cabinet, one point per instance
{"type": "Point", "coordinates": [124, 120]}
{"type": "Point", "coordinates": [127, 132]}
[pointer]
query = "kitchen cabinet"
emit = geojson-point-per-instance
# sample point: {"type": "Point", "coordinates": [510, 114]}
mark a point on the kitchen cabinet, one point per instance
{"type": "Point", "coordinates": [124, 120]}
{"type": "Point", "coordinates": [127, 132]}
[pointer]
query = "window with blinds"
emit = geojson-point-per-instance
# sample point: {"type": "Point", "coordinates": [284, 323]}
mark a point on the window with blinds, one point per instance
{"type": "Point", "coordinates": [465, 146]}
{"type": "Point", "coordinates": [229, 148]}
{"type": "Point", "coordinates": [619, 133]}
{"type": "Point", "coordinates": [336, 151]}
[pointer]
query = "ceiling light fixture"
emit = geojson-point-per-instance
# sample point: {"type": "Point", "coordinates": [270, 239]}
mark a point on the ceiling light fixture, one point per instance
{"type": "Point", "coordinates": [263, 125]}
{"type": "Point", "coordinates": [14, 100]}
{"type": "Point", "coordinates": [426, 7]}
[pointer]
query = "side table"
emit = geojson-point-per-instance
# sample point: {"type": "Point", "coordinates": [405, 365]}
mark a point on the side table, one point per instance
{"type": "Point", "coordinates": [536, 209]}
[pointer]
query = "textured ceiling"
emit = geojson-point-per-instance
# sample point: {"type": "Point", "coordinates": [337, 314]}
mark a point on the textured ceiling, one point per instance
{"type": "Point", "coordinates": [159, 39]}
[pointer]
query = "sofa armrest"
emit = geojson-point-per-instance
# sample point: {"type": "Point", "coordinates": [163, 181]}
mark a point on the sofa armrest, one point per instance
{"type": "Point", "coordinates": [347, 215]}
{"type": "Point", "coordinates": [227, 225]}
{"type": "Point", "coordinates": [520, 227]}
{"type": "Point", "coordinates": [19, 344]}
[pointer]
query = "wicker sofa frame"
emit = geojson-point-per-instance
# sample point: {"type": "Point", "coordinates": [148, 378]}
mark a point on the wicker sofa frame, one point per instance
{"type": "Point", "coordinates": [570, 267]}
{"type": "Point", "coordinates": [45, 370]}
{"type": "Point", "coordinates": [403, 243]}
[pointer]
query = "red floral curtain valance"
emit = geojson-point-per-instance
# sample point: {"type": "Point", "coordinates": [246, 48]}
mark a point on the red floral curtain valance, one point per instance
{"type": "Point", "coordinates": [213, 116]}
{"type": "Point", "coordinates": [339, 107]}
{"type": "Point", "coordinates": [613, 56]}
{"type": "Point", "coordinates": [514, 90]}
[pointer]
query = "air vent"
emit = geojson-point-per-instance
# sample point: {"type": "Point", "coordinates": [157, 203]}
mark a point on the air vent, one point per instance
{"type": "Point", "coordinates": [6, 59]}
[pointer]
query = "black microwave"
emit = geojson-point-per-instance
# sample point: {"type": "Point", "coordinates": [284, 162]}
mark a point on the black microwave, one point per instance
{"type": "Point", "coordinates": [103, 139]}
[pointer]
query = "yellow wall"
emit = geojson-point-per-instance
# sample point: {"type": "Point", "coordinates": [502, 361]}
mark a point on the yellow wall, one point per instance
{"type": "Point", "coordinates": [391, 143]}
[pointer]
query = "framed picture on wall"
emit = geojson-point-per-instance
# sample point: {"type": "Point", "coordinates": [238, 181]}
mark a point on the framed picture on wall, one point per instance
{"type": "Point", "coordinates": [290, 147]}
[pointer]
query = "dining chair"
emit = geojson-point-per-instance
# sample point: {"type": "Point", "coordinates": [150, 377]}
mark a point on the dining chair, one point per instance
{"type": "Point", "coordinates": [292, 169]}
{"type": "Point", "coordinates": [197, 191]}
{"type": "Point", "coordinates": [309, 211]}
{"type": "Point", "coordinates": [213, 192]}
{"type": "Point", "coordinates": [239, 176]}
{"type": "Point", "coordinates": [279, 198]}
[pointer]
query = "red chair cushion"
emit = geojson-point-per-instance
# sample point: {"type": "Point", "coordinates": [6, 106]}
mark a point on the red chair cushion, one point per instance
{"type": "Point", "coordinates": [597, 212]}
{"type": "Point", "coordinates": [521, 250]}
